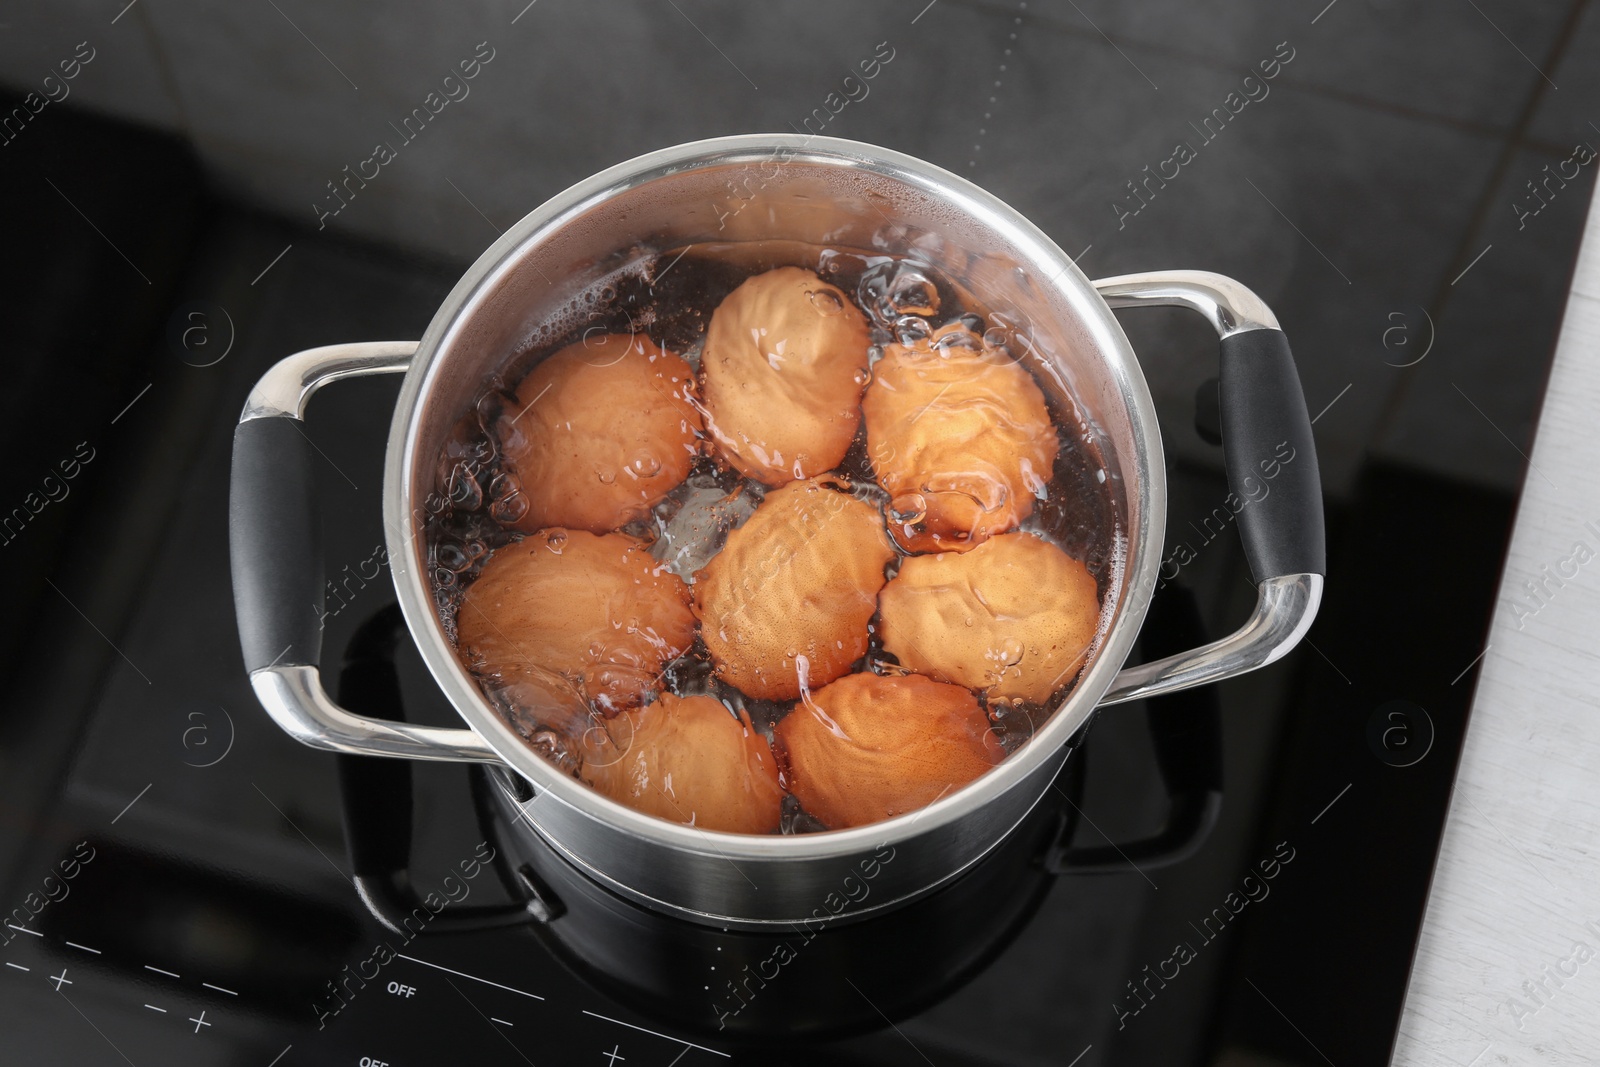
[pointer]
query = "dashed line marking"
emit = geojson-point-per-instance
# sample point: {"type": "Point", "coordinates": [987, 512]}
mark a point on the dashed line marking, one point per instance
{"type": "Point", "coordinates": [1331, 803]}
{"type": "Point", "coordinates": [132, 402]}
{"type": "Point", "coordinates": [463, 974]}
{"type": "Point", "coordinates": [657, 1033]}
{"type": "Point", "coordinates": [134, 801]}
{"type": "Point", "coordinates": [1474, 263]}
{"type": "Point", "coordinates": [274, 262]}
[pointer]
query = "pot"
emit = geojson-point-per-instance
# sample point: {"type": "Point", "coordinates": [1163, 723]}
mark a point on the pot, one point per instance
{"type": "Point", "coordinates": [820, 191]}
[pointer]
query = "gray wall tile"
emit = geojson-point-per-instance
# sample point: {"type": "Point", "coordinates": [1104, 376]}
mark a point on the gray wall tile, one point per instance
{"type": "Point", "coordinates": [125, 78]}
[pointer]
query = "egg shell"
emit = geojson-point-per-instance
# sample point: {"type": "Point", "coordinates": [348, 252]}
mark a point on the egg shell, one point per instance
{"type": "Point", "coordinates": [784, 364]}
{"type": "Point", "coordinates": [602, 430]}
{"type": "Point", "coordinates": [689, 760]}
{"type": "Point", "coordinates": [787, 601]}
{"type": "Point", "coordinates": [595, 608]}
{"type": "Point", "coordinates": [1014, 616]}
{"type": "Point", "coordinates": [959, 436]}
{"type": "Point", "coordinates": [870, 747]}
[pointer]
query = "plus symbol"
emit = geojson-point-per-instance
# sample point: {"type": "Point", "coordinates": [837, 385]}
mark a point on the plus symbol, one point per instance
{"type": "Point", "coordinates": [198, 1023]}
{"type": "Point", "coordinates": [61, 979]}
{"type": "Point", "coordinates": [615, 1055]}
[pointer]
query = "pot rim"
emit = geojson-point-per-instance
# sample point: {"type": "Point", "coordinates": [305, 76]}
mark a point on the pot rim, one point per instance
{"type": "Point", "coordinates": [1146, 479]}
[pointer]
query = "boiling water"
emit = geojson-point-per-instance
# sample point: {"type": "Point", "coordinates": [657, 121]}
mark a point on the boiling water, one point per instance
{"type": "Point", "coordinates": [670, 296]}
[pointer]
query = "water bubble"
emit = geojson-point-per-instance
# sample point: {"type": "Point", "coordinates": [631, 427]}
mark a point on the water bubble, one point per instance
{"type": "Point", "coordinates": [908, 509]}
{"type": "Point", "coordinates": [556, 540]}
{"type": "Point", "coordinates": [909, 329]}
{"type": "Point", "coordinates": [1011, 724]}
{"type": "Point", "coordinates": [995, 336]}
{"type": "Point", "coordinates": [503, 485]}
{"type": "Point", "coordinates": [1011, 652]}
{"type": "Point", "coordinates": [463, 490]}
{"type": "Point", "coordinates": [958, 339]}
{"type": "Point", "coordinates": [491, 408]}
{"type": "Point", "coordinates": [484, 451]}
{"type": "Point", "coordinates": [452, 557]}
{"type": "Point", "coordinates": [644, 465]}
{"type": "Point", "coordinates": [508, 510]}
{"type": "Point", "coordinates": [606, 475]}
{"type": "Point", "coordinates": [892, 289]}
{"type": "Point", "coordinates": [911, 292]}
{"type": "Point", "coordinates": [508, 503]}
{"type": "Point", "coordinates": [826, 301]}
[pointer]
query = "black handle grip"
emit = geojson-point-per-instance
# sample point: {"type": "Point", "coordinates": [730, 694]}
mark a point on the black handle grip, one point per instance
{"type": "Point", "coordinates": [1186, 728]}
{"type": "Point", "coordinates": [376, 795]}
{"type": "Point", "coordinates": [1270, 457]}
{"type": "Point", "coordinates": [275, 545]}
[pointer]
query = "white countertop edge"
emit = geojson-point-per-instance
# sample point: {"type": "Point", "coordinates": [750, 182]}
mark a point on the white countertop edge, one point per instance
{"type": "Point", "coordinates": [1507, 969]}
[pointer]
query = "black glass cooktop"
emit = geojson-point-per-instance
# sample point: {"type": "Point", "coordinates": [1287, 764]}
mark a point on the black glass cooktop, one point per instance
{"type": "Point", "coordinates": [1231, 876]}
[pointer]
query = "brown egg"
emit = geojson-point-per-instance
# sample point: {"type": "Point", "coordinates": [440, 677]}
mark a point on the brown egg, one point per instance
{"type": "Point", "coordinates": [1014, 616]}
{"type": "Point", "coordinates": [786, 603]}
{"type": "Point", "coordinates": [870, 747]}
{"type": "Point", "coordinates": [959, 436]}
{"type": "Point", "coordinates": [602, 430]}
{"type": "Point", "coordinates": [783, 367]}
{"type": "Point", "coordinates": [596, 609]}
{"type": "Point", "coordinates": [689, 760]}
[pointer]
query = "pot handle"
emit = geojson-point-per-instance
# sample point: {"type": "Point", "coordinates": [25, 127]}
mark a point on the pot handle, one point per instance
{"type": "Point", "coordinates": [276, 554]}
{"type": "Point", "coordinates": [1265, 427]}
{"type": "Point", "coordinates": [377, 804]}
{"type": "Point", "coordinates": [1186, 733]}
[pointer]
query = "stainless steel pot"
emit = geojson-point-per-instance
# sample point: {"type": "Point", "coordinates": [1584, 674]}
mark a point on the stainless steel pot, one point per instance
{"type": "Point", "coordinates": [821, 191]}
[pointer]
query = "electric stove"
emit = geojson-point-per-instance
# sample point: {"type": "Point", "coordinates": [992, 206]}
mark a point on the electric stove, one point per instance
{"type": "Point", "coordinates": [1231, 876]}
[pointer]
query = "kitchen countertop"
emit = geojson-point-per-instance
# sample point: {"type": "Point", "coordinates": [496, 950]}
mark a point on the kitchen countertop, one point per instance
{"type": "Point", "coordinates": [1508, 965]}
